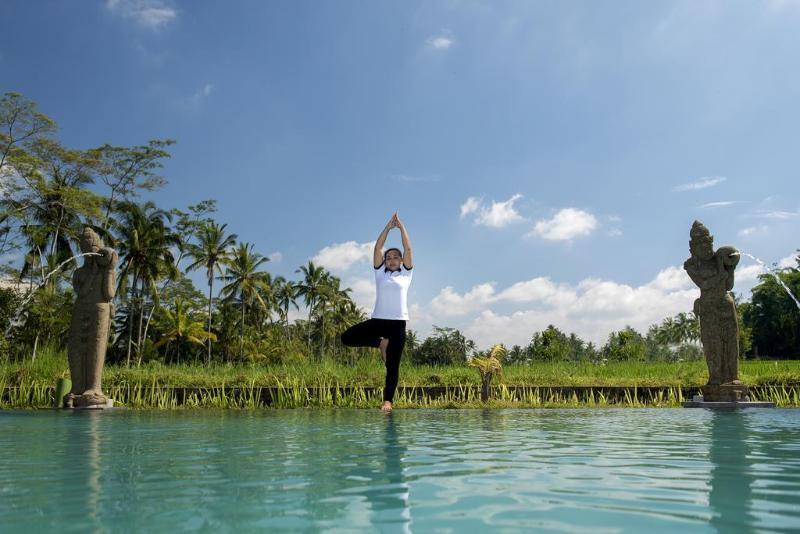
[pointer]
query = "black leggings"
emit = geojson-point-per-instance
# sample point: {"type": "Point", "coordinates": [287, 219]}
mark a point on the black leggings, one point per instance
{"type": "Point", "coordinates": [368, 334]}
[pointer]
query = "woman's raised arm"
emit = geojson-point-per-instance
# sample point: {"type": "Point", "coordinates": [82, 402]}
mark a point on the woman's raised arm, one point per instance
{"type": "Point", "coordinates": [377, 253]}
{"type": "Point", "coordinates": [408, 254]}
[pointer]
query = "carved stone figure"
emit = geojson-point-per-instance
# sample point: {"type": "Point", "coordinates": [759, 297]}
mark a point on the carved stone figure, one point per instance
{"type": "Point", "coordinates": [95, 285]}
{"type": "Point", "coordinates": [712, 272]}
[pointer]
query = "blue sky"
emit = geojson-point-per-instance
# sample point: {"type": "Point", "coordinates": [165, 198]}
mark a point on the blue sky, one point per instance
{"type": "Point", "coordinates": [548, 158]}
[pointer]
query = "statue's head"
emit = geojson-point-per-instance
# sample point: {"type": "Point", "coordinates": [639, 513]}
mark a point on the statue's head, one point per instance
{"type": "Point", "coordinates": [701, 242]}
{"type": "Point", "coordinates": [90, 241]}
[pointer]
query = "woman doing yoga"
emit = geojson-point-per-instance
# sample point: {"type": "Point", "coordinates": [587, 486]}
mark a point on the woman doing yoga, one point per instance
{"type": "Point", "coordinates": [387, 328]}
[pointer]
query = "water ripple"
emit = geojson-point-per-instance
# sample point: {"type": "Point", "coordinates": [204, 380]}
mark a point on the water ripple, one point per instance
{"type": "Point", "coordinates": [417, 470]}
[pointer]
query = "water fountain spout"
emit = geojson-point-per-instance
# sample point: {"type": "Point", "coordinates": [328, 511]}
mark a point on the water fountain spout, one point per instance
{"type": "Point", "coordinates": [772, 273]}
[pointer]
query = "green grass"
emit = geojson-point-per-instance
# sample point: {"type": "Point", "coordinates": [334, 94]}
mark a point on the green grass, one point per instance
{"type": "Point", "coordinates": [315, 384]}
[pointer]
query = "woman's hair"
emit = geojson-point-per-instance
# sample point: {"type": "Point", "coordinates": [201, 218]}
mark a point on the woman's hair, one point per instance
{"type": "Point", "coordinates": [391, 249]}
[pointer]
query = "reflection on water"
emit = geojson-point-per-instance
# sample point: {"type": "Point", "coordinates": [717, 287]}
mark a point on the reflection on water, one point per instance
{"type": "Point", "coordinates": [415, 470]}
{"type": "Point", "coordinates": [730, 497]}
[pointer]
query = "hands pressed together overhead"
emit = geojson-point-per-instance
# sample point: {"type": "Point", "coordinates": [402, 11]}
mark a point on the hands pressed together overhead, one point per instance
{"type": "Point", "coordinates": [394, 222]}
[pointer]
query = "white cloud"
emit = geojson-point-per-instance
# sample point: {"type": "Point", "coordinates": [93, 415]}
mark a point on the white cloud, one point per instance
{"type": "Point", "coordinates": [748, 273]}
{"type": "Point", "coordinates": [443, 41]}
{"type": "Point", "coordinates": [751, 231]}
{"type": "Point", "coordinates": [614, 230]}
{"type": "Point", "coordinates": [593, 309]}
{"type": "Point", "coordinates": [671, 279]}
{"type": "Point", "coordinates": [275, 257]}
{"type": "Point", "coordinates": [202, 93]}
{"type": "Point", "coordinates": [788, 261]}
{"type": "Point", "coordinates": [363, 292]}
{"type": "Point", "coordinates": [702, 183]}
{"type": "Point", "coordinates": [448, 303]}
{"type": "Point", "coordinates": [500, 214]}
{"type": "Point", "coordinates": [781, 5]}
{"type": "Point", "coordinates": [151, 14]}
{"type": "Point", "coordinates": [471, 205]}
{"type": "Point", "coordinates": [720, 204]}
{"type": "Point", "coordinates": [539, 289]}
{"type": "Point", "coordinates": [300, 313]}
{"type": "Point", "coordinates": [566, 224]}
{"type": "Point", "coordinates": [341, 256]}
{"type": "Point", "coordinates": [497, 215]}
{"type": "Point", "coordinates": [778, 215]}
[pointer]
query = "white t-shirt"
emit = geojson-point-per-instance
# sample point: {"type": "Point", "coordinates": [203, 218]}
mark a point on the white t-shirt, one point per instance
{"type": "Point", "coordinates": [391, 290]}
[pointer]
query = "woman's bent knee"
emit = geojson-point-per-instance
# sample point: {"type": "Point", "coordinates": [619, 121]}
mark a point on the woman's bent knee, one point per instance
{"type": "Point", "coordinates": [347, 339]}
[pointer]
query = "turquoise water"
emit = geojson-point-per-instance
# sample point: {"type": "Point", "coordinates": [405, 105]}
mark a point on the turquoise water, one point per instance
{"type": "Point", "coordinates": [609, 470]}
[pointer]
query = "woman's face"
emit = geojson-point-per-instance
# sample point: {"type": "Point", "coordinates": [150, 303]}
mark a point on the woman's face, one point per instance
{"type": "Point", "coordinates": [393, 260]}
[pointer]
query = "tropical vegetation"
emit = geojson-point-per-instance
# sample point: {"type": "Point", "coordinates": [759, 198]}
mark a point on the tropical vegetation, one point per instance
{"type": "Point", "coordinates": [243, 315]}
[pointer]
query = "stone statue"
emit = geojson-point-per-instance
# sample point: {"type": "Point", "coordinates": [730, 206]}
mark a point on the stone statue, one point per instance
{"type": "Point", "coordinates": [95, 285]}
{"type": "Point", "coordinates": [712, 272]}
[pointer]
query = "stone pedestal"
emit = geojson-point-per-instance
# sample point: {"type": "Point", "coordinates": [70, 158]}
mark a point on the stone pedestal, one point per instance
{"type": "Point", "coordinates": [698, 402]}
{"type": "Point", "coordinates": [725, 396]}
{"type": "Point", "coordinates": [725, 393]}
{"type": "Point", "coordinates": [88, 402]}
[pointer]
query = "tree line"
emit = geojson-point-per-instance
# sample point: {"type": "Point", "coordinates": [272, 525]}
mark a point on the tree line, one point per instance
{"type": "Point", "coordinates": [50, 191]}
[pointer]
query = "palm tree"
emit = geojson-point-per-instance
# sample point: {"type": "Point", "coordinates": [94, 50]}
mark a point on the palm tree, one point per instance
{"type": "Point", "coordinates": [345, 314]}
{"type": "Point", "coordinates": [145, 251]}
{"type": "Point", "coordinates": [211, 251]}
{"type": "Point", "coordinates": [689, 326]}
{"type": "Point", "coordinates": [412, 342]}
{"type": "Point", "coordinates": [244, 281]}
{"type": "Point", "coordinates": [266, 290]}
{"type": "Point", "coordinates": [55, 199]}
{"type": "Point", "coordinates": [286, 293]}
{"type": "Point", "coordinates": [330, 294]}
{"type": "Point", "coordinates": [310, 288]}
{"type": "Point", "coordinates": [178, 325]}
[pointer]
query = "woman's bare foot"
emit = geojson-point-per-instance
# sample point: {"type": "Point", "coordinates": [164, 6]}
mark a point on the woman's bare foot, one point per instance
{"type": "Point", "coordinates": [387, 407]}
{"type": "Point", "coordinates": [383, 345]}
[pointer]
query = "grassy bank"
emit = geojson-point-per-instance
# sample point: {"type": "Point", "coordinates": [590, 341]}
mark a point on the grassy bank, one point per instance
{"type": "Point", "coordinates": [329, 383]}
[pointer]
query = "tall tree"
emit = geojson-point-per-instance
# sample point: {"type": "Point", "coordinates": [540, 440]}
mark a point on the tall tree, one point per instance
{"type": "Point", "coordinates": [22, 125]}
{"type": "Point", "coordinates": [773, 316]}
{"type": "Point", "coordinates": [51, 199]}
{"type": "Point", "coordinates": [179, 326]}
{"type": "Point", "coordinates": [625, 345]}
{"type": "Point", "coordinates": [330, 296]}
{"type": "Point", "coordinates": [244, 280]}
{"type": "Point", "coordinates": [550, 345]}
{"type": "Point", "coordinates": [145, 245]}
{"type": "Point", "coordinates": [346, 313]}
{"type": "Point", "coordinates": [310, 288]}
{"type": "Point", "coordinates": [212, 250]}
{"type": "Point", "coordinates": [127, 170]}
{"type": "Point", "coordinates": [286, 294]}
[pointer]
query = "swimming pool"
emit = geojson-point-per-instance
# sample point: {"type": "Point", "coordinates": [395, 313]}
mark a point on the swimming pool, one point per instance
{"type": "Point", "coordinates": [416, 470]}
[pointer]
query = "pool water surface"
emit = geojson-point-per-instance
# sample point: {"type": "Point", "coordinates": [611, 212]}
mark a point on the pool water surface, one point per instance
{"type": "Point", "coordinates": [608, 470]}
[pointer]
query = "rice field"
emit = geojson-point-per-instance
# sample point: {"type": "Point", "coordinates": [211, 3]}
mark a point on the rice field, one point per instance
{"type": "Point", "coordinates": [327, 384]}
